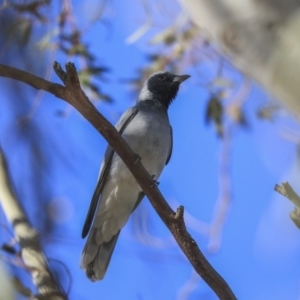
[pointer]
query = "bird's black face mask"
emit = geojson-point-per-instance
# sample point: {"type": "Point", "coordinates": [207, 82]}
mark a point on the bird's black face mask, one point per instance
{"type": "Point", "coordinates": [164, 87]}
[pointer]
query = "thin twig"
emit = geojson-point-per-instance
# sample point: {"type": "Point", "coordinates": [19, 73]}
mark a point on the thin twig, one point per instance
{"type": "Point", "coordinates": [222, 206]}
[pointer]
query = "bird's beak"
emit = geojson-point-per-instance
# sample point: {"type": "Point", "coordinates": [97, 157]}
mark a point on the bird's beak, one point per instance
{"type": "Point", "coordinates": [181, 78]}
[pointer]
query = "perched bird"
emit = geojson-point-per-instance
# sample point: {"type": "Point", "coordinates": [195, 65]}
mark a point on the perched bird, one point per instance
{"type": "Point", "coordinates": [146, 128]}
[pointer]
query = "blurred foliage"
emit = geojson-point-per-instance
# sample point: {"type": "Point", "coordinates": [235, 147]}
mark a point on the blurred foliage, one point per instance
{"type": "Point", "coordinates": [8, 249]}
{"type": "Point", "coordinates": [173, 46]}
{"type": "Point", "coordinates": [183, 46]}
{"type": "Point", "coordinates": [178, 47]}
{"type": "Point", "coordinates": [214, 113]}
{"type": "Point", "coordinates": [34, 30]}
{"type": "Point", "coordinates": [29, 21]}
{"type": "Point", "coordinates": [268, 112]}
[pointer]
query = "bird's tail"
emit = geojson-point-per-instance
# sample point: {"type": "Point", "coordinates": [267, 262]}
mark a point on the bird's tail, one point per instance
{"type": "Point", "coordinates": [95, 258]}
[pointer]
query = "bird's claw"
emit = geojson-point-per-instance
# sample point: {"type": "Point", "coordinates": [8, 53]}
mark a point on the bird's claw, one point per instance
{"type": "Point", "coordinates": [154, 181]}
{"type": "Point", "coordinates": [137, 158]}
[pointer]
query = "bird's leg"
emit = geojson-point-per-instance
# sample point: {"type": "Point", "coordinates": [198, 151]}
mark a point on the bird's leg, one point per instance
{"type": "Point", "coordinates": [137, 158]}
{"type": "Point", "coordinates": [154, 181]}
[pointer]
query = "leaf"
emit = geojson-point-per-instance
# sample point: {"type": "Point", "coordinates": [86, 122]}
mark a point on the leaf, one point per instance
{"type": "Point", "coordinates": [8, 248]}
{"type": "Point", "coordinates": [237, 114]}
{"type": "Point", "coordinates": [214, 113]}
{"type": "Point", "coordinates": [268, 112]}
{"type": "Point", "coordinates": [190, 33]}
{"type": "Point", "coordinates": [167, 37]}
{"type": "Point", "coordinates": [138, 33]}
{"type": "Point", "coordinates": [97, 70]}
{"type": "Point", "coordinates": [222, 82]}
{"type": "Point", "coordinates": [26, 31]}
{"type": "Point", "coordinates": [44, 42]}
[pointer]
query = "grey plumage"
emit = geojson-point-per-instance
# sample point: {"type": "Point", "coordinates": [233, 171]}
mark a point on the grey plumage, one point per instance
{"type": "Point", "coordinates": [147, 130]}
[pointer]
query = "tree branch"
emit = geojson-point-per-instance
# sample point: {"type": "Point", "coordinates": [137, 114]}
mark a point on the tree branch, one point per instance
{"type": "Point", "coordinates": [287, 191]}
{"type": "Point", "coordinates": [31, 251]}
{"type": "Point", "coordinates": [73, 94]}
{"type": "Point", "coordinates": [36, 82]}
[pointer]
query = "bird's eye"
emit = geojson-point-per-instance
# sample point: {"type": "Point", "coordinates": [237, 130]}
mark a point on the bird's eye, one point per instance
{"type": "Point", "coordinates": [162, 77]}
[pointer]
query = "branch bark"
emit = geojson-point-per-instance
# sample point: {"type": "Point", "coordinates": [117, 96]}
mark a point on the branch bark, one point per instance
{"type": "Point", "coordinates": [31, 251]}
{"type": "Point", "coordinates": [73, 94]}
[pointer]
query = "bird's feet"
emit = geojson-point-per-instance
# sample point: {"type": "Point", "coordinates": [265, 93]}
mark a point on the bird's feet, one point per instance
{"type": "Point", "coordinates": [137, 158]}
{"type": "Point", "coordinates": [154, 181]}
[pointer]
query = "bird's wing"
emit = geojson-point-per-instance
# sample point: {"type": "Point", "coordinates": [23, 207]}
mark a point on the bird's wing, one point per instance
{"type": "Point", "coordinates": [142, 194]}
{"type": "Point", "coordinates": [171, 146]}
{"type": "Point", "coordinates": [138, 201]}
{"type": "Point", "coordinates": [126, 118]}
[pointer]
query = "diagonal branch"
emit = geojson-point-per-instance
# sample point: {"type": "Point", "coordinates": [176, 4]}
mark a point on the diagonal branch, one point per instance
{"type": "Point", "coordinates": [73, 94]}
{"type": "Point", "coordinates": [32, 80]}
{"type": "Point", "coordinates": [31, 251]}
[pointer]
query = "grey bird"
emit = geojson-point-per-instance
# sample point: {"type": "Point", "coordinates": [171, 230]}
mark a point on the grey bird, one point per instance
{"type": "Point", "coordinates": [147, 130]}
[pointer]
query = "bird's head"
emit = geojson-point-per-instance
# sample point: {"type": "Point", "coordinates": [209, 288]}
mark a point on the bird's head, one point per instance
{"type": "Point", "coordinates": [162, 87]}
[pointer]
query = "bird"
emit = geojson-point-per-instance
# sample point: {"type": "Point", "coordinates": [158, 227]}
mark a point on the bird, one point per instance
{"type": "Point", "coordinates": [147, 130]}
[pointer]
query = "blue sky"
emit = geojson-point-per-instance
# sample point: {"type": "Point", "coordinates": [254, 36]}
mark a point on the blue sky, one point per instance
{"type": "Point", "coordinates": [258, 255]}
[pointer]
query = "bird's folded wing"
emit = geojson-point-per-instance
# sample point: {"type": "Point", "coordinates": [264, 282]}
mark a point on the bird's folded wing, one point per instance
{"type": "Point", "coordinates": [171, 146]}
{"type": "Point", "coordinates": [125, 119]}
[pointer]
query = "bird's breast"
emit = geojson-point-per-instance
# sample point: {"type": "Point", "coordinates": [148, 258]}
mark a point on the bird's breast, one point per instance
{"type": "Point", "coordinates": [149, 136]}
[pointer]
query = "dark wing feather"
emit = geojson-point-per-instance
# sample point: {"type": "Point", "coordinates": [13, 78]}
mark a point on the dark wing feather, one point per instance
{"type": "Point", "coordinates": [171, 146]}
{"type": "Point", "coordinates": [94, 203]}
{"type": "Point", "coordinates": [126, 118]}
